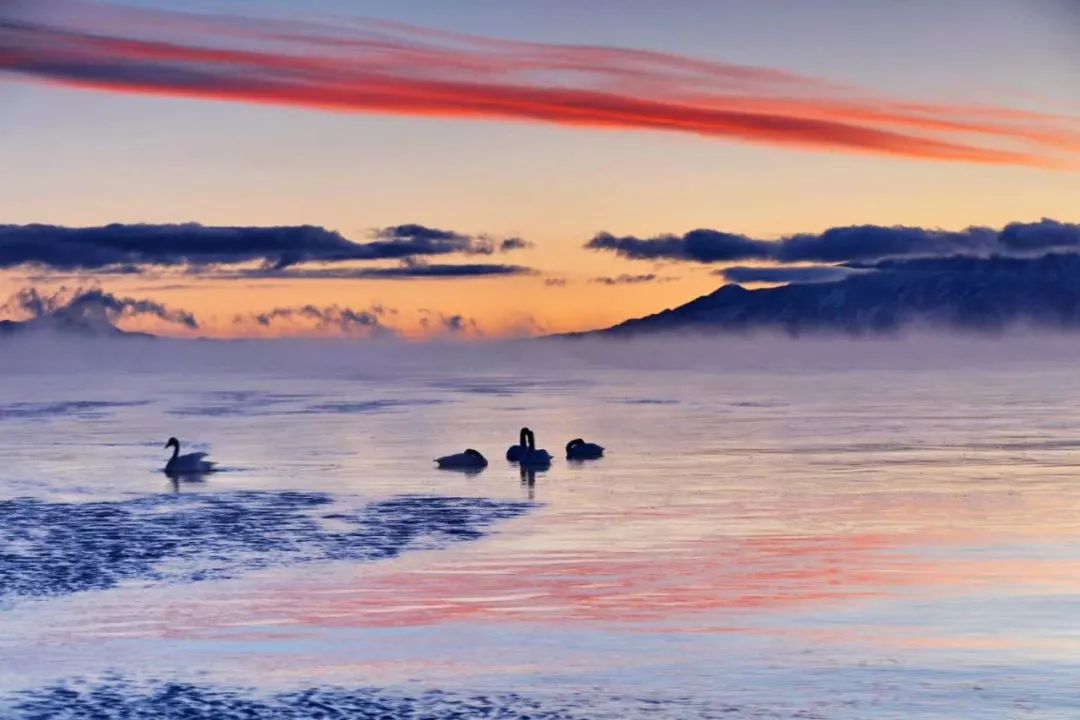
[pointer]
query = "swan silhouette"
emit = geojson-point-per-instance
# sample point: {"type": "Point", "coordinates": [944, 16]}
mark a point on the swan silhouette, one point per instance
{"type": "Point", "coordinates": [578, 449]}
{"type": "Point", "coordinates": [190, 464]}
{"type": "Point", "coordinates": [525, 452]}
{"type": "Point", "coordinates": [468, 460]}
{"type": "Point", "coordinates": [514, 452]}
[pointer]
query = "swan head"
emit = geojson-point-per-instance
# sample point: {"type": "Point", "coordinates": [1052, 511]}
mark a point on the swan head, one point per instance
{"type": "Point", "coordinates": [173, 442]}
{"type": "Point", "coordinates": [474, 453]}
{"type": "Point", "coordinates": [574, 443]}
{"type": "Point", "coordinates": [523, 437]}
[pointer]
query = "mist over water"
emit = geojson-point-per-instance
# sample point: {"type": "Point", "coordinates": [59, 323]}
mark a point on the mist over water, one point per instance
{"type": "Point", "coordinates": [814, 528]}
{"type": "Point", "coordinates": [44, 352]}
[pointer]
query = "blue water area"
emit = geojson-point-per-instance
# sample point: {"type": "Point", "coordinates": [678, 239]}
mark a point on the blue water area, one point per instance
{"type": "Point", "coordinates": [80, 409]}
{"type": "Point", "coordinates": [121, 698]}
{"type": "Point", "coordinates": [53, 548]}
{"type": "Point", "coordinates": [229, 403]}
{"type": "Point", "coordinates": [368, 406]}
{"type": "Point", "coordinates": [508, 386]}
{"type": "Point", "coordinates": [642, 401]}
{"type": "Point", "coordinates": [840, 543]}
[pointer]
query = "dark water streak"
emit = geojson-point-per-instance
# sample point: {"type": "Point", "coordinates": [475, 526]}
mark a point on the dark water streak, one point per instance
{"type": "Point", "coordinates": [119, 698]}
{"type": "Point", "coordinates": [49, 549]}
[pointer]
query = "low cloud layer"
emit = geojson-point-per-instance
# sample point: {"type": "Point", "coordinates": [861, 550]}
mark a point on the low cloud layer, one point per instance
{"type": "Point", "coordinates": [858, 243]}
{"type": "Point", "coordinates": [514, 243]}
{"type": "Point", "coordinates": [205, 249]}
{"type": "Point", "coordinates": [88, 309]}
{"type": "Point", "coordinates": [438, 324]}
{"type": "Point", "coordinates": [391, 68]}
{"type": "Point", "coordinates": [93, 311]}
{"type": "Point", "coordinates": [625, 279]}
{"type": "Point", "coordinates": [333, 320]}
{"type": "Point", "coordinates": [374, 322]}
{"type": "Point", "coordinates": [802, 275]}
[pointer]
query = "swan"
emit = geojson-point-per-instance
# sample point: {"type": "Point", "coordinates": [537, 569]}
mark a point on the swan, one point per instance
{"type": "Point", "coordinates": [514, 452]}
{"type": "Point", "coordinates": [468, 460]}
{"type": "Point", "coordinates": [578, 449]}
{"type": "Point", "coordinates": [527, 454]}
{"type": "Point", "coordinates": [192, 463]}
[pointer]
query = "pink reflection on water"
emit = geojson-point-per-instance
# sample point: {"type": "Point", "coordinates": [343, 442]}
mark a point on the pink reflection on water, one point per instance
{"type": "Point", "coordinates": [605, 586]}
{"type": "Point", "coordinates": [488, 585]}
{"type": "Point", "coordinates": [735, 577]}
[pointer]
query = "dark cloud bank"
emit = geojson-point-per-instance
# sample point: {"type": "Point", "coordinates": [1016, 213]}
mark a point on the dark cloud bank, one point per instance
{"type": "Point", "coordinates": [855, 243]}
{"type": "Point", "coordinates": [403, 271]}
{"type": "Point", "coordinates": [277, 251]}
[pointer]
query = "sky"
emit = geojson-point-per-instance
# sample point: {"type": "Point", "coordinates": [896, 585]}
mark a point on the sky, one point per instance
{"type": "Point", "coordinates": [455, 127]}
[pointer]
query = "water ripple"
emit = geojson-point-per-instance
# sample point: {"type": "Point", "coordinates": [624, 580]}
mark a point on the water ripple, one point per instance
{"type": "Point", "coordinates": [82, 409]}
{"type": "Point", "coordinates": [119, 698]}
{"type": "Point", "coordinates": [58, 548]}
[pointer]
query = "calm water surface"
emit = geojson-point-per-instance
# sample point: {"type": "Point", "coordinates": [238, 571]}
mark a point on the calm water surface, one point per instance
{"type": "Point", "coordinates": [831, 543]}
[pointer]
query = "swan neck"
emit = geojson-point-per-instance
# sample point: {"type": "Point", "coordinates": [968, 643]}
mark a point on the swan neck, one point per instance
{"type": "Point", "coordinates": [176, 451]}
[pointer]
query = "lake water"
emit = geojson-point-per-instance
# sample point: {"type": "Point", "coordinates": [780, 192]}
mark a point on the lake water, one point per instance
{"type": "Point", "coordinates": [819, 537]}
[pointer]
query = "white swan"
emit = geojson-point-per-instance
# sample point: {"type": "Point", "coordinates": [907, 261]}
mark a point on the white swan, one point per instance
{"type": "Point", "coordinates": [190, 464]}
{"type": "Point", "coordinates": [525, 452]}
{"type": "Point", "coordinates": [468, 460]}
{"type": "Point", "coordinates": [578, 449]}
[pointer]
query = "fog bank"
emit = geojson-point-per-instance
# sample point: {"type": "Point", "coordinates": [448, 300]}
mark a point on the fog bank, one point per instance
{"type": "Point", "coordinates": [46, 352]}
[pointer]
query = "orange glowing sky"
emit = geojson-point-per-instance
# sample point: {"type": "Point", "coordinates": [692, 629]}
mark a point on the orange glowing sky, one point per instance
{"type": "Point", "coordinates": [535, 124]}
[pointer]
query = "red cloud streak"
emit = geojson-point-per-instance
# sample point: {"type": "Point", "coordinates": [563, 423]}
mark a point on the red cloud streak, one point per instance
{"type": "Point", "coordinates": [395, 69]}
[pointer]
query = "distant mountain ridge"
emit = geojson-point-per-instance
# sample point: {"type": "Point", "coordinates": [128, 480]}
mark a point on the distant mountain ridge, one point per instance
{"type": "Point", "coordinates": [957, 293]}
{"type": "Point", "coordinates": [67, 325]}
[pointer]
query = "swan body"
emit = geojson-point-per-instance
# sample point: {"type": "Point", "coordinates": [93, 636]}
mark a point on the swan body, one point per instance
{"type": "Point", "coordinates": [578, 449]}
{"type": "Point", "coordinates": [190, 464]}
{"type": "Point", "coordinates": [525, 452]}
{"type": "Point", "coordinates": [535, 458]}
{"type": "Point", "coordinates": [468, 460]}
